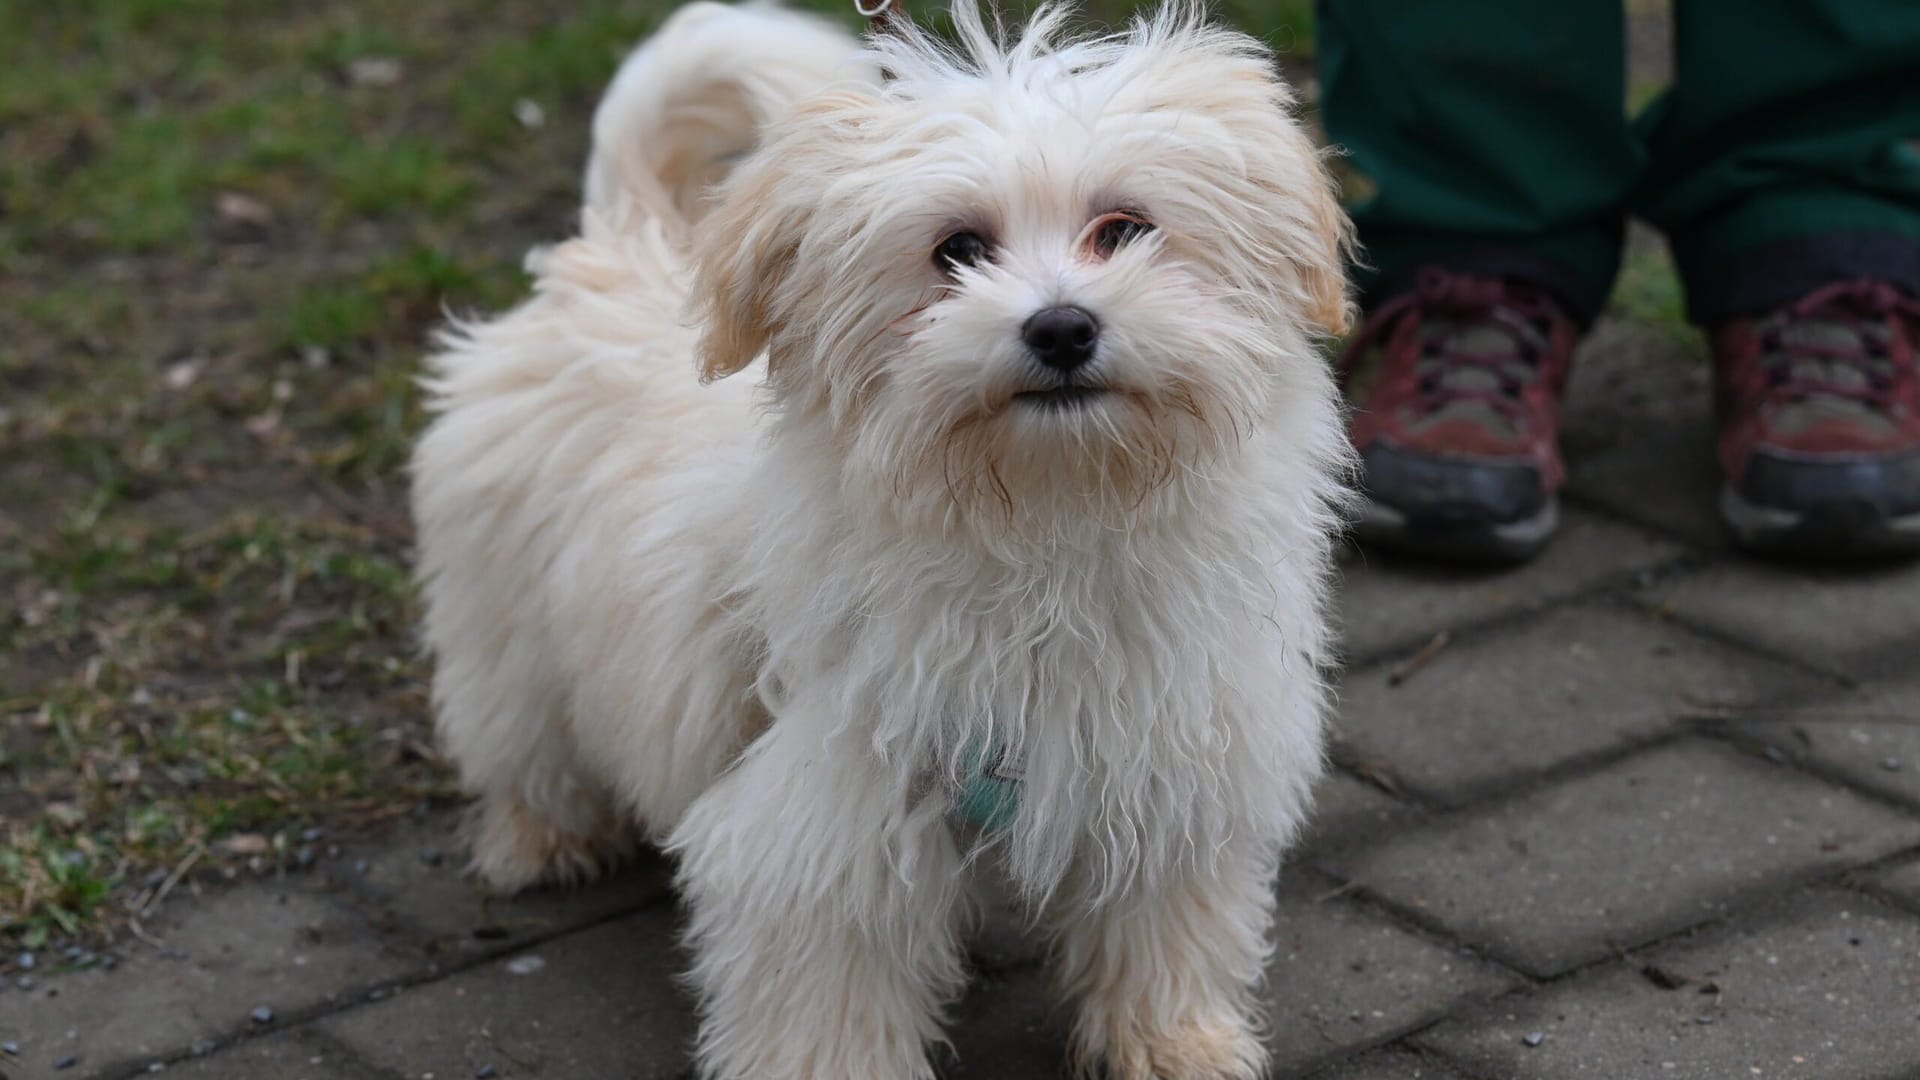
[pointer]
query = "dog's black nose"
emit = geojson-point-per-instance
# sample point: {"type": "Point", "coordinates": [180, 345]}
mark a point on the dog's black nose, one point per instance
{"type": "Point", "coordinates": [1061, 337]}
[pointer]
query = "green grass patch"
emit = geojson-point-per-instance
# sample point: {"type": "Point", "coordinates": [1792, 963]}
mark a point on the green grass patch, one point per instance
{"type": "Point", "coordinates": [305, 702]}
{"type": "Point", "coordinates": [142, 192]}
{"type": "Point", "coordinates": [71, 309]}
{"type": "Point", "coordinates": [425, 274]}
{"type": "Point", "coordinates": [335, 49]}
{"type": "Point", "coordinates": [396, 299]}
{"type": "Point", "coordinates": [378, 415]}
{"type": "Point", "coordinates": [1642, 93]}
{"type": "Point", "coordinates": [412, 174]}
{"type": "Point", "coordinates": [333, 317]}
{"type": "Point", "coordinates": [50, 884]}
{"type": "Point", "coordinates": [561, 66]}
{"type": "Point", "coordinates": [88, 561]}
{"type": "Point", "coordinates": [1648, 293]}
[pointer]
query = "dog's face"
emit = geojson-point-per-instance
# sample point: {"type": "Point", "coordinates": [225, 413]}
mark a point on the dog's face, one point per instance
{"type": "Point", "coordinates": [1024, 272]}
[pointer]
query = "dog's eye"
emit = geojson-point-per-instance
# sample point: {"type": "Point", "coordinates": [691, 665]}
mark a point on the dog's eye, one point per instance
{"type": "Point", "coordinates": [1116, 230]}
{"type": "Point", "coordinates": [960, 249]}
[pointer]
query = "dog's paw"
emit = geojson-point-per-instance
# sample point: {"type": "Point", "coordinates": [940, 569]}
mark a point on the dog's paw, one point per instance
{"type": "Point", "coordinates": [1203, 1050]}
{"type": "Point", "coordinates": [514, 849]}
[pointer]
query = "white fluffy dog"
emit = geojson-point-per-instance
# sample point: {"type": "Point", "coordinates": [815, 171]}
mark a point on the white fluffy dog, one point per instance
{"type": "Point", "coordinates": [1014, 549]}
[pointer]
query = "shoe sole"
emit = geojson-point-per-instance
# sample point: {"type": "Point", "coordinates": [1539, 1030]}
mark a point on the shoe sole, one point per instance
{"type": "Point", "coordinates": [1457, 540]}
{"type": "Point", "coordinates": [1840, 530]}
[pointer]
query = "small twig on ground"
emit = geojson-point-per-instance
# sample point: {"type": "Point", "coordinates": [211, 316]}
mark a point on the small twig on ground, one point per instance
{"type": "Point", "coordinates": [1377, 774]}
{"type": "Point", "coordinates": [384, 525]}
{"type": "Point", "coordinates": [1406, 668]}
{"type": "Point", "coordinates": [179, 871]}
{"type": "Point", "coordinates": [1708, 710]}
{"type": "Point", "coordinates": [134, 927]}
{"type": "Point", "coordinates": [1335, 894]}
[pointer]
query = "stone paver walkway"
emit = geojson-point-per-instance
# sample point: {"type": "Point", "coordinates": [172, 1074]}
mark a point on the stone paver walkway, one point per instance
{"type": "Point", "coordinates": [1651, 811]}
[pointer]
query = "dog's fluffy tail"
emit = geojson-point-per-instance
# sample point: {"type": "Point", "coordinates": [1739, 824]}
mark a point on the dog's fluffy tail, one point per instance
{"type": "Point", "coordinates": [692, 99]}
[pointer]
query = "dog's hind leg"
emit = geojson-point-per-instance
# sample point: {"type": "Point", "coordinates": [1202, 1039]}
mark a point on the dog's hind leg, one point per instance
{"type": "Point", "coordinates": [517, 844]}
{"type": "Point", "coordinates": [541, 818]}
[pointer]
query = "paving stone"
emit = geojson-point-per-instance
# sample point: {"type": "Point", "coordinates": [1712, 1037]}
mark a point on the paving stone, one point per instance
{"type": "Point", "coordinates": [1388, 1065]}
{"type": "Point", "coordinates": [601, 1002]}
{"type": "Point", "coordinates": [1007, 1027]}
{"type": "Point", "coordinates": [301, 1054]}
{"type": "Point", "coordinates": [1341, 977]}
{"type": "Point", "coordinates": [1346, 810]}
{"type": "Point", "coordinates": [1534, 695]}
{"type": "Point", "coordinates": [1857, 621]}
{"type": "Point", "coordinates": [1650, 61]}
{"type": "Point", "coordinates": [1344, 977]}
{"type": "Point", "coordinates": [1639, 435]}
{"type": "Point", "coordinates": [415, 883]}
{"type": "Point", "coordinates": [1902, 880]}
{"type": "Point", "coordinates": [1871, 737]}
{"type": "Point", "coordinates": [228, 953]}
{"type": "Point", "coordinates": [1828, 989]}
{"type": "Point", "coordinates": [1660, 475]}
{"type": "Point", "coordinates": [1649, 845]}
{"type": "Point", "coordinates": [1393, 605]}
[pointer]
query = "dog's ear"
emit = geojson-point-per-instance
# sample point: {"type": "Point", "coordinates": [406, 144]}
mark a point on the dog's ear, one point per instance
{"type": "Point", "coordinates": [1323, 270]}
{"type": "Point", "coordinates": [745, 249]}
{"type": "Point", "coordinates": [749, 244]}
{"type": "Point", "coordinates": [1271, 180]}
{"type": "Point", "coordinates": [1313, 241]}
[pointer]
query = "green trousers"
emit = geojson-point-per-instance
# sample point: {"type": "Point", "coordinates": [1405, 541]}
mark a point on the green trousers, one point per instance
{"type": "Point", "coordinates": [1492, 137]}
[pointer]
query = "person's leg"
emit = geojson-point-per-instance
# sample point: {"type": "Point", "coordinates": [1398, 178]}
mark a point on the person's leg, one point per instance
{"type": "Point", "coordinates": [1492, 134]}
{"type": "Point", "coordinates": [1493, 140]}
{"type": "Point", "coordinates": [1785, 171]}
{"type": "Point", "coordinates": [1784, 158]}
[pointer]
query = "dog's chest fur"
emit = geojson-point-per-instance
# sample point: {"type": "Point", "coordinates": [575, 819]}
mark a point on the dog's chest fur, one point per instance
{"type": "Point", "coordinates": [1151, 681]}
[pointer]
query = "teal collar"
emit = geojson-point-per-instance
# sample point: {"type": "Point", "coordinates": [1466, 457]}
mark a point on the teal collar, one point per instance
{"type": "Point", "coordinates": [989, 797]}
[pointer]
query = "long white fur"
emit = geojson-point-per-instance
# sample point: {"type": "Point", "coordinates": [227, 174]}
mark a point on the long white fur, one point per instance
{"type": "Point", "coordinates": [765, 620]}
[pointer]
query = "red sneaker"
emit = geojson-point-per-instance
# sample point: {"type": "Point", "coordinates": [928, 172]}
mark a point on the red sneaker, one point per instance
{"type": "Point", "coordinates": [1457, 387]}
{"type": "Point", "coordinates": [1819, 410]}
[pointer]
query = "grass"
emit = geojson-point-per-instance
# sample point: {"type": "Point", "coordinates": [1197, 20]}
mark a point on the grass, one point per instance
{"type": "Point", "coordinates": [1648, 296]}
{"type": "Point", "coordinates": [226, 231]}
{"type": "Point", "coordinates": [400, 174]}
{"type": "Point", "coordinates": [224, 237]}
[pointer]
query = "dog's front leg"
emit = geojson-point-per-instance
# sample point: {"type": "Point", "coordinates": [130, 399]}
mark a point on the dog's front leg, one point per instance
{"type": "Point", "coordinates": [823, 901]}
{"type": "Point", "coordinates": [1165, 975]}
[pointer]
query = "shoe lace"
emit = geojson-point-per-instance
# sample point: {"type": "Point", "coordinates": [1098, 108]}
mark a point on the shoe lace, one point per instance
{"type": "Point", "coordinates": [1839, 343]}
{"type": "Point", "coordinates": [1453, 367]}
